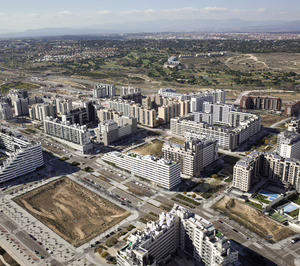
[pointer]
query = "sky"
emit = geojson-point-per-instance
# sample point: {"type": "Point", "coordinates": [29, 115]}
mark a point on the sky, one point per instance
{"type": "Point", "coordinates": [20, 15]}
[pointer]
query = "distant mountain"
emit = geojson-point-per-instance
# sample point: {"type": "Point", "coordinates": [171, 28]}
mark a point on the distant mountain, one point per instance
{"type": "Point", "coordinates": [195, 25]}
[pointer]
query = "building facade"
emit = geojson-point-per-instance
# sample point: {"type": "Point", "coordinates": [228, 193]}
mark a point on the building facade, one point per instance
{"type": "Point", "coordinates": [163, 173]}
{"type": "Point", "coordinates": [259, 102]}
{"type": "Point", "coordinates": [24, 156]}
{"type": "Point", "coordinates": [40, 111]}
{"type": "Point", "coordinates": [292, 108]}
{"type": "Point", "coordinates": [177, 229]}
{"type": "Point", "coordinates": [104, 90]}
{"type": "Point", "coordinates": [6, 112]}
{"type": "Point", "coordinates": [194, 156]}
{"type": "Point", "coordinates": [288, 144]}
{"type": "Point", "coordinates": [75, 136]}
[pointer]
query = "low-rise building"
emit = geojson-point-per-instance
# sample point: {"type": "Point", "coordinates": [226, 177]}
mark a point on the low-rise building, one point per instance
{"type": "Point", "coordinates": [75, 136]}
{"type": "Point", "coordinates": [164, 173]}
{"type": "Point", "coordinates": [197, 153]}
{"type": "Point", "coordinates": [177, 229]}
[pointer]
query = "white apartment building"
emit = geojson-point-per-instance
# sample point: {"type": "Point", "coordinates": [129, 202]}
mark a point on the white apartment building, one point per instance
{"type": "Point", "coordinates": [219, 113]}
{"type": "Point", "coordinates": [40, 111]}
{"type": "Point", "coordinates": [194, 156]}
{"type": "Point", "coordinates": [241, 127]}
{"type": "Point", "coordinates": [63, 106]}
{"type": "Point", "coordinates": [75, 136]}
{"type": "Point", "coordinates": [144, 116]}
{"type": "Point", "coordinates": [270, 165]}
{"type": "Point", "coordinates": [21, 107]}
{"type": "Point", "coordinates": [294, 126]}
{"type": "Point", "coordinates": [104, 90]}
{"type": "Point", "coordinates": [178, 229]}
{"type": "Point", "coordinates": [6, 112]}
{"type": "Point", "coordinates": [129, 90]}
{"type": "Point", "coordinates": [161, 172]}
{"type": "Point", "coordinates": [288, 144]}
{"type": "Point", "coordinates": [23, 156]}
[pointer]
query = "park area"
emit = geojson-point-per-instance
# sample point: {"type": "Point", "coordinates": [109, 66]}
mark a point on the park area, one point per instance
{"type": "Point", "coordinates": [253, 219]}
{"type": "Point", "coordinates": [72, 211]}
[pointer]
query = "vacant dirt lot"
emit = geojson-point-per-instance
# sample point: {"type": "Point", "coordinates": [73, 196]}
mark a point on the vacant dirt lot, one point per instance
{"type": "Point", "coordinates": [253, 219]}
{"type": "Point", "coordinates": [269, 119]}
{"type": "Point", "coordinates": [72, 211]}
{"type": "Point", "coordinates": [152, 148]}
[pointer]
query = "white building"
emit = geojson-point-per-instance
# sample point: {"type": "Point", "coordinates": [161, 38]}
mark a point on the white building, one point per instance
{"type": "Point", "coordinates": [63, 106]}
{"type": "Point", "coordinates": [294, 126]}
{"type": "Point", "coordinates": [104, 90]}
{"type": "Point", "coordinates": [40, 111]}
{"type": "Point", "coordinates": [6, 112]}
{"type": "Point", "coordinates": [161, 172]}
{"type": "Point", "coordinates": [240, 128]}
{"type": "Point", "coordinates": [75, 136]}
{"type": "Point", "coordinates": [24, 156]}
{"type": "Point", "coordinates": [288, 144]}
{"type": "Point", "coordinates": [180, 228]}
{"type": "Point", "coordinates": [269, 165]}
{"type": "Point", "coordinates": [21, 107]}
{"type": "Point", "coordinates": [129, 90]}
{"type": "Point", "coordinates": [194, 156]}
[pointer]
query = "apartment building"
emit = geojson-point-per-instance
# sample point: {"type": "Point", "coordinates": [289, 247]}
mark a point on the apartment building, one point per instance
{"type": "Point", "coordinates": [76, 116]}
{"type": "Point", "coordinates": [6, 112]}
{"type": "Point", "coordinates": [163, 173]}
{"type": "Point", "coordinates": [107, 114]}
{"type": "Point", "coordinates": [177, 229]}
{"type": "Point", "coordinates": [75, 136]}
{"type": "Point", "coordinates": [23, 156]}
{"type": "Point", "coordinates": [15, 95]}
{"type": "Point", "coordinates": [110, 131]}
{"type": "Point", "coordinates": [144, 116]}
{"type": "Point", "coordinates": [63, 106]}
{"type": "Point", "coordinates": [262, 103]}
{"type": "Point", "coordinates": [294, 126]}
{"type": "Point", "coordinates": [288, 144]}
{"type": "Point", "coordinates": [269, 165]}
{"type": "Point", "coordinates": [241, 127]}
{"type": "Point", "coordinates": [40, 111]}
{"type": "Point", "coordinates": [21, 107]}
{"type": "Point", "coordinates": [216, 112]}
{"type": "Point", "coordinates": [194, 155]}
{"type": "Point", "coordinates": [292, 108]}
{"type": "Point", "coordinates": [104, 90]}
{"type": "Point", "coordinates": [129, 90]}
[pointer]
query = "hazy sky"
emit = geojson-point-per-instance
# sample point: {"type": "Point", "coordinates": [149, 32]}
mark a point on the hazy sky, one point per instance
{"type": "Point", "coordinates": [19, 15]}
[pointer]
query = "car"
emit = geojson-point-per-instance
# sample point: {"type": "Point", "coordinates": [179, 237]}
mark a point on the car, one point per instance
{"type": "Point", "coordinates": [235, 230]}
{"type": "Point", "coordinates": [295, 240]}
{"type": "Point", "coordinates": [220, 221]}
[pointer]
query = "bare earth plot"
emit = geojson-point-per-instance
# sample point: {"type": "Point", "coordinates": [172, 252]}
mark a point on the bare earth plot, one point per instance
{"type": "Point", "coordinates": [253, 219]}
{"type": "Point", "coordinates": [152, 148]}
{"type": "Point", "coordinates": [72, 211]}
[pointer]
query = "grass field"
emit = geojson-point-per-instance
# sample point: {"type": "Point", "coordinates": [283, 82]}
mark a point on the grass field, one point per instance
{"type": "Point", "coordinates": [252, 219]}
{"type": "Point", "coordinates": [72, 211]}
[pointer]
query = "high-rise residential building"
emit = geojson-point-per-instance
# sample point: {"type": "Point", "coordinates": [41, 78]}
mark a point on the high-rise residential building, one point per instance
{"type": "Point", "coordinates": [194, 156]}
{"type": "Point", "coordinates": [240, 128]}
{"type": "Point", "coordinates": [63, 106]}
{"type": "Point", "coordinates": [104, 90]}
{"type": "Point", "coordinates": [21, 107]}
{"type": "Point", "coordinates": [110, 131]}
{"type": "Point", "coordinates": [288, 144]}
{"type": "Point", "coordinates": [15, 95]}
{"type": "Point", "coordinates": [143, 115]}
{"type": "Point", "coordinates": [129, 90]}
{"type": "Point", "coordinates": [41, 110]}
{"type": "Point", "coordinates": [75, 136]}
{"type": "Point", "coordinates": [107, 114]}
{"type": "Point", "coordinates": [270, 165]}
{"type": "Point", "coordinates": [260, 102]}
{"type": "Point", "coordinates": [163, 173]}
{"type": "Point", "coordinates": [6, 112]}
{"type": "Point", "coordinates": [76, 116]}
{"type": "Point", "coordinates": [24, 156]}
{"type": "Point", "coordinates": [177, 229]}
{"type": "Point", "coordinates": [220, 113]}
